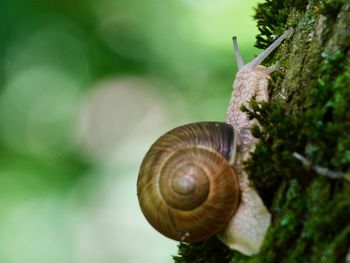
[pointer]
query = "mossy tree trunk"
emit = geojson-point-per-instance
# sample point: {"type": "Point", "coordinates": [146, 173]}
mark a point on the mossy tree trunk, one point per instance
{"type": "Point", "coordinates": [309, 113]}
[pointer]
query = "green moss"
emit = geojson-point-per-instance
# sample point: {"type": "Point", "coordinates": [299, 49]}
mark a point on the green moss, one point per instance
{"type": "Point", "coordinates": [318, 225]}
{"type": "Point", "coordinates": [209, 251]}
{"type": "Point", "coordinates": [331, 7]}
{"type": "Point", "coordinates": [309, 114]}
{"type": "Point", "coordinates": [272, 17]}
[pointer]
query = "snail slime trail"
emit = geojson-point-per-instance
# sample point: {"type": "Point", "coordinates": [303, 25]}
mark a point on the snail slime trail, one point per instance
{"type": "Point", "coordinates": [191, 183]}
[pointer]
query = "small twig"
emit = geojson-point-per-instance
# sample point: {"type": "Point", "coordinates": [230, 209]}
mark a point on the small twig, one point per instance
{"type": "Point", "coordinates": [321, 170]}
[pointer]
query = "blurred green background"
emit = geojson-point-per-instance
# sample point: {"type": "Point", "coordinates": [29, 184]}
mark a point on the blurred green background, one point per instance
{"type": "Point", "coordinates": [86, 87]}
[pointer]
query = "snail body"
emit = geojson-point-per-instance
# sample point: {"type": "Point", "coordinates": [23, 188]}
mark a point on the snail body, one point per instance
{"type": "Point", "coordinates": [191, 183]}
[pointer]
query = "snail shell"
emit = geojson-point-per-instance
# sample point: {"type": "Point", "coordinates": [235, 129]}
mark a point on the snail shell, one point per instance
{"type": "Point", "coordinates": [186, 173]}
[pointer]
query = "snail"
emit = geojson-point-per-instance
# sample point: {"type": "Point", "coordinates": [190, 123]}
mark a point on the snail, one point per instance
{"type": "Point", "coordinates": [191, 184]}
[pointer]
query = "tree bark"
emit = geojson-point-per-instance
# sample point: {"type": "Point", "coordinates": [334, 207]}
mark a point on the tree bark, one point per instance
{"type": "Point", "coordinates": [308, 114]}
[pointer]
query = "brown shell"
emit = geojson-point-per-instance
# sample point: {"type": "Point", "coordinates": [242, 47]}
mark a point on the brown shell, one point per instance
{"type": "Point", "coordinates": [186, 187]}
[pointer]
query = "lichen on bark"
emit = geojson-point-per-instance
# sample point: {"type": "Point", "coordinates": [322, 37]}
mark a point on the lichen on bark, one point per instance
{"type": "Point", "coordinates": [308, 114]}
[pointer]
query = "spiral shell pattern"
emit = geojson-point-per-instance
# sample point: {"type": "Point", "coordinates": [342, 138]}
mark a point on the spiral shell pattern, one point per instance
{"type": "Point", "coordinates": [186, 187]}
